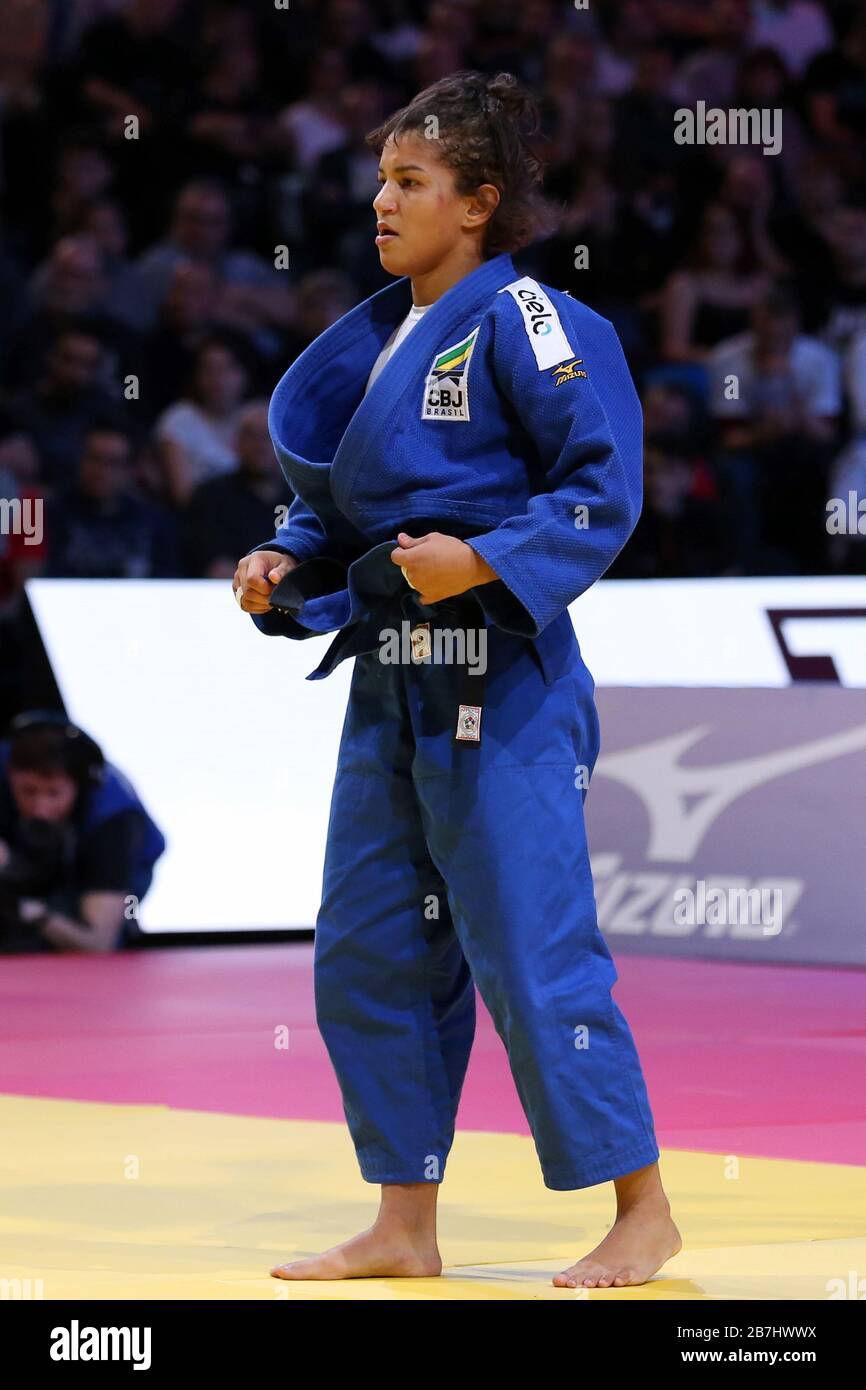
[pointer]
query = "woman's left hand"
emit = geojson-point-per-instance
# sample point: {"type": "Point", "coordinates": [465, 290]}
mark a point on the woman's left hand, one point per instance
{"type": "Point", "coordinates": [440, 566]}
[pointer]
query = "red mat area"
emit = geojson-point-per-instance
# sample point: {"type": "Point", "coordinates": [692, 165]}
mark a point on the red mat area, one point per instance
{"type": "Point", "coordinates": [744, 1059]}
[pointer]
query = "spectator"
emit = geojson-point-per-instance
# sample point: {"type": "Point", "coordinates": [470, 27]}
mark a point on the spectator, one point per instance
{"type": "Point", "coordinates": [323, 297]}
{"type": "Point", "coordinates": [569, 80]}
{"type": "Point", "coordinates": [185, 323]}
{"type": "Point", "coordinates": [337, 201]}
{"type": "Point", "coordinates": [69, 286]}
{"type": "Point", "coordinates": [747, 191]}
{"type": "Point", "coordinates": [645, 117]}
{"type": "Point", "coordinates": [99, 529]}
{"type": "Point", "coordinates": [763, 83]}
{"type": "Point", "coordinates": [77, 847]}
{"type": "Point", "coordinates": [712, 298]}
{"type": "Point", "coordinates": [200, 231]}
{"type": "Point", "coordinates": [130, 64]}
{"type": "Point", "coordinates": [437, 56]}
{"type": "Point", "coordinates": [249, 153]}
{"type": "Point", "coordinates": [228, 515]}
{"type": "Point", "coordinates": [198, 435]}
{"type": "Point", "coordinates": [681, 529]}
{"type": "Point", "coordinates": [82, 175]}
{"type": "Point", "coordinates": [72, 281]}
{"type": "Point", "coordinates": [62, 407]}
{"type": "Point", "coordinates": [349, 25]}
{"type": "Point", "coordinates": [710, 74]}
{"type": "Point", "coordinates": [795, 29]}
{"type": "Point", "coordinates": [775, 393]}
{"type": "Point", "coordinates": [834, 86]}
{"type": "Point", "coordinates": [630, 27]}
{"type": "Point", "coordinates": [229, 117]}
{"type": "Point", "coordinates": [845, 309]}
{"type": "Point", "coordinates": [311, 126]}
{"type": "Point", "coordinates": [799, 226]}
{"type": "Point", "coordinates": [252, 295]}
{"type": "Point", "coordinates": [126, 296]}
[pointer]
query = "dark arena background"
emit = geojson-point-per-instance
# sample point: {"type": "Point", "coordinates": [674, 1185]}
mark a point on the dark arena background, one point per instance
{"type": "Point", "coordinates": [185, 205]}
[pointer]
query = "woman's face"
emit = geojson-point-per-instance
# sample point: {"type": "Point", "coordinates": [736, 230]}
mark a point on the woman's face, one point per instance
{"type": "Point", "coordinates": [418, 201]}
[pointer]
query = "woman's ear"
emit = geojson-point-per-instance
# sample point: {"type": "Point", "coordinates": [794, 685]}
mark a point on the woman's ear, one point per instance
{"type": "Point", "coordinates": [482, 204]}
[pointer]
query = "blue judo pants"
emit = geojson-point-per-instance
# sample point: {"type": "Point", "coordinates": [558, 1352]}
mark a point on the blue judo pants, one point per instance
{"type": "Point", "coordinates": [453, 866]}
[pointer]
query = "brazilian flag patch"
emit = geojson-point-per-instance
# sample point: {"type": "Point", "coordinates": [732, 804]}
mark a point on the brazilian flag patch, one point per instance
{"type": "Point", "coordinates": [446, 390]}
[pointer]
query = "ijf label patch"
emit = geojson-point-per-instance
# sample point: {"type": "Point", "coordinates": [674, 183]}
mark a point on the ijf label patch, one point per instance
{"type": "Point", "coordinates": [542, 323]}
{"type": "Point", "coordinates": [446, 390]}
{"type": "Point", "coordinates": [468, 724]}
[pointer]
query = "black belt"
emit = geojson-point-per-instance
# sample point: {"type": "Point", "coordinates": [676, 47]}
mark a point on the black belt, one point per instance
{"type": "Point", "coordinates": [372, 600]}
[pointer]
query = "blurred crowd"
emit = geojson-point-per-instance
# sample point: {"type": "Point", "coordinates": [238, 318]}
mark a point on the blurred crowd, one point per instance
{"type": "Point", "coordinates": [185, 203]}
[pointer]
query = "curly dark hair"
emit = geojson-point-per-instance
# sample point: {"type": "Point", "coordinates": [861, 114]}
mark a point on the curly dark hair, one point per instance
{"type": "Point", "coordinates": [482, 128]}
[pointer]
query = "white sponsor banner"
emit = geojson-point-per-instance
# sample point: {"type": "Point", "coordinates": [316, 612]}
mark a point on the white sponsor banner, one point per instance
{"type": "Point", "coordinates": [233, 751]}
{"type": "Point", "coordinates": [718, 632]}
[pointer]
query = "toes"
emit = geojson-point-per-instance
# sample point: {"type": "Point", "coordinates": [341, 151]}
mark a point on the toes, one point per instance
{"type": "Point", "coordinates": [596, 1276]}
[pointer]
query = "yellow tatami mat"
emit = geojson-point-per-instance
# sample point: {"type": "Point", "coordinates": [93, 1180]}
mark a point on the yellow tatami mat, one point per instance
{"type": "Point", "coordinates": [138, 1202]}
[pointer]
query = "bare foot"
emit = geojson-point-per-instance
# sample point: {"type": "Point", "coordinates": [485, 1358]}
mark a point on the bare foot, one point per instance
{"type": "Point", "coordinates": [640, 1241]}
{"type": "Point", "coordinates": [380, 1252]}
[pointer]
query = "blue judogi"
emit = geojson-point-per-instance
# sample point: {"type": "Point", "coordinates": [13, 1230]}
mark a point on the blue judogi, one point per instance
{"type": "Point", "coordinates": [508, 418]}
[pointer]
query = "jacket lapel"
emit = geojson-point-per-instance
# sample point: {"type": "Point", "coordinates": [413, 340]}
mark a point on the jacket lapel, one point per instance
{"type": "Point", "coordinates": [322, 425]}
{"type": "Point", "coordinates": [314, 399]}
{"type": "Point", "coordinates": [445, 319]}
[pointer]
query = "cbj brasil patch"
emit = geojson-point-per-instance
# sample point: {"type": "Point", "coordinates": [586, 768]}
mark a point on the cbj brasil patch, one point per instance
{"type": "Point", "coordinates": [446, 390]}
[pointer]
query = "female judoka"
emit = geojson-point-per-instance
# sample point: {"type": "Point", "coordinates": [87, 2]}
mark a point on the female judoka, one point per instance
{"type": "Point", "coordinates": [465, 450]}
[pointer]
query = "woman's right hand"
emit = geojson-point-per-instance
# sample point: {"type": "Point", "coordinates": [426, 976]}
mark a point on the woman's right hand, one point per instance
{"type": "Point", "coordinates": [257, 575]}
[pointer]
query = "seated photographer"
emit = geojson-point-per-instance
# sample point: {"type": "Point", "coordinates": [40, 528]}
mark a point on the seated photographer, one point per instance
{"type": "Point", "coordinates": [77, 847]}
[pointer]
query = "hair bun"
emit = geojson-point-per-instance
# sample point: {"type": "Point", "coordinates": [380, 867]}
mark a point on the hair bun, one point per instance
{"type": "Point", "coordinates": [513, 98]}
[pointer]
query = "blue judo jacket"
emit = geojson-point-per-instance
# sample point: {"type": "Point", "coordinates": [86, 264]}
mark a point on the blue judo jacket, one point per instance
{"type": "Point", "coordinates": [507, 417]}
